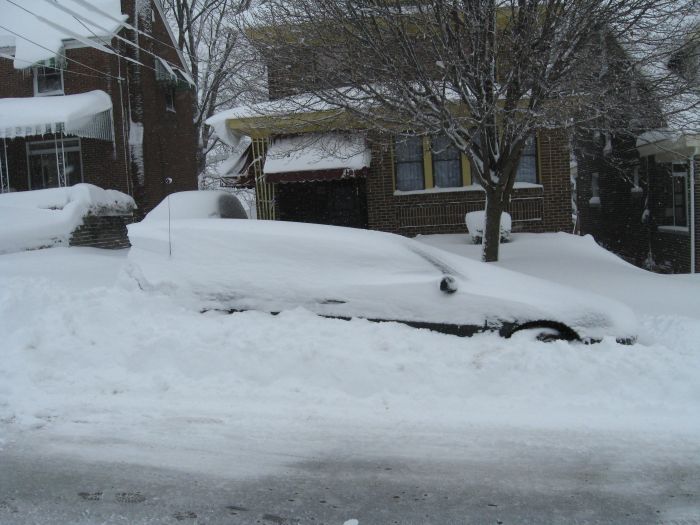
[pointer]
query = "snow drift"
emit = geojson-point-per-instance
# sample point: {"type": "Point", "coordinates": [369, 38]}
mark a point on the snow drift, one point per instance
{"type": "Point", "coordinates": [195, 204]}
{"type": "Point", "coordinates": [44, 218]}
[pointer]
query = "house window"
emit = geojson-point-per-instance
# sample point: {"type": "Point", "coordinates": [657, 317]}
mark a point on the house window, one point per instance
{"type": "Point", "coordinates": [447, 165]}
{"type": "Point", "coordinates": [48, 81]}
{"type": "Point", "coordinates": [676, 213]}
{"type": "Point", "coordinates": [408, 157]}
{"type": "Point", "coordinates": [170, 98]}
{"type": "Point", "coordinates": [527, 169]}
{"type": "Point", "coordinates": [54, 163]}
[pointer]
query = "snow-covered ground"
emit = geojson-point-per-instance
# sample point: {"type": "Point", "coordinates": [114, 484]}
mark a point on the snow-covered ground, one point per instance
{"type": "Point", "coordinates": [93, 367]}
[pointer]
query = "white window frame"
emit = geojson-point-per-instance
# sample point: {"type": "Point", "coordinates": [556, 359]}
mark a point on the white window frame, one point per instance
{"type": "Point", "coordinates": [48, 93]}
{"type": "Point", "coordinates": [681, 174]}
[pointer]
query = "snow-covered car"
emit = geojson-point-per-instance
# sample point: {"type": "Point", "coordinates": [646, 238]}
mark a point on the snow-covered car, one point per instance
{"type": "Point", "coordinates": [236, 265]}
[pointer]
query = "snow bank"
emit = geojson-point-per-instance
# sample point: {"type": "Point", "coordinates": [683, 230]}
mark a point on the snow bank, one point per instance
{"type": "Point", "coordinates": [276, 265]}
{"type": "Point", "coordinates": [48, 24]}
{"type": "Point", "coordinates": [43, 218]}
{"type": "Point", "coordinates": [197, 204]}
{"type": "Point", "coordinates": [476, 220]}
{"type": "Point", "coordinates": [68, 364]}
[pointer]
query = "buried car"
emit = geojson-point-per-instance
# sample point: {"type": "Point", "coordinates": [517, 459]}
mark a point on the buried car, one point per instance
{"type": "Point", "coordinates": [235, 265]}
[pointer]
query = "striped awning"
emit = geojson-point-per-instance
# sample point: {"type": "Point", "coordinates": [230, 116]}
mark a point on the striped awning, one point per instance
{"type": "Point", "coordinates": [87, 115]}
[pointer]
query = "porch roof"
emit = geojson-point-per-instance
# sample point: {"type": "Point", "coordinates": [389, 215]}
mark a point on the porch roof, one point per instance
{"type": "Point", "coordinates": [317, 156]}
{"type": "Point", "coordinates": [85, 115]}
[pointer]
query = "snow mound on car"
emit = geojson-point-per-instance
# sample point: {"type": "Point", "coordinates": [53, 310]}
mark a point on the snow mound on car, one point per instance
{"type": "Point", "coordinates": [274, 266]}
{"type": "Point", "coordinates": [210, 204]}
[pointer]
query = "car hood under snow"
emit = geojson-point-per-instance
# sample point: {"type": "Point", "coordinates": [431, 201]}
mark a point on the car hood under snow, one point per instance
{"type": "Point", "coordinates": [272, 266]}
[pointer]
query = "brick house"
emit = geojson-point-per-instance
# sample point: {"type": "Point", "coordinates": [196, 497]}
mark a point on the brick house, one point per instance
{"type": "Point", "coordinates": [637, 194]}
{"type": "Point", "coordinates": [409, 185]}
{"type": "Point", "coordinates": [111, 105]}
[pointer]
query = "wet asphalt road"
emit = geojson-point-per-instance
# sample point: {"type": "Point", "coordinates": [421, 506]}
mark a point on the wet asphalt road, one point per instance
{"type": "Point", "coordinates": [528, 484]}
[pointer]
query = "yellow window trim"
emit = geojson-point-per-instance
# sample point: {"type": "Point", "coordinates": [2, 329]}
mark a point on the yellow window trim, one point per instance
{"type": "Point", "coordinates": [428, 180]}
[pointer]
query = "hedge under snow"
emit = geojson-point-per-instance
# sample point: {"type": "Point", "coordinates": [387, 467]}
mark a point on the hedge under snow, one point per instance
{"type": "Point", "coordinates": [45, 218]}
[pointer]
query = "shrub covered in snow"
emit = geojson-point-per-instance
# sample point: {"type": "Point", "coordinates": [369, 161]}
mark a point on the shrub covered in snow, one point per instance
{"type": "Point", "coordinates": [475, 221]}
{"type": "Point", "coordinates": [44, 218]}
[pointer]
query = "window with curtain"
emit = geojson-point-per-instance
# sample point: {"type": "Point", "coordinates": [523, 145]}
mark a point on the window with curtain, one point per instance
{"type": "Point", "coordinates": [527, 169]}
{"type": "Point", "coordinates": [408, 159]}
{"type": "Point", "coordinates": [447, 166]}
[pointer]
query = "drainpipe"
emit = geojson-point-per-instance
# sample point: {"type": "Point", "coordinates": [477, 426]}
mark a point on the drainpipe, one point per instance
{"type": "Point", "coordinates": [691, 173]}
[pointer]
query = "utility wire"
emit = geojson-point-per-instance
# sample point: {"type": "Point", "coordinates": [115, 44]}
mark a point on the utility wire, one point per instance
{"type": "Point", "coordinates": [53, 53]}
{"type": "Point", "coordinates": [79, 18]}
{"type": "Point", "coordinates": [96, 9]}
{"type": "Point", "coordinates": [68, 71]}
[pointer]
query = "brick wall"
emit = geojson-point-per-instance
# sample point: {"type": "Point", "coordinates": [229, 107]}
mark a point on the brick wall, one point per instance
{"type": "Point", "coordinates": [537, 209]}
{"type": "Point", "coordinates": [107, 232]}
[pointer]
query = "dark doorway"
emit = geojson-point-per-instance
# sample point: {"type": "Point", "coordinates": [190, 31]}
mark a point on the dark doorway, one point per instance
{"type": "Point", "coordinates": [338, 202]}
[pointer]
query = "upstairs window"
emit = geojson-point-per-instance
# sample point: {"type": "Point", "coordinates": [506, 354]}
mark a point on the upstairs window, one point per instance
{"type": "Point", "coordinates": [170, 98]}
{"type": "Point", "coordinates": [48, 81]}
{"type": "Point", "coordinates": [408, 159]}
{"type": "Point", "coordinates": [447, 165]}
{"type": "Point", "coordinates": [527, 169]}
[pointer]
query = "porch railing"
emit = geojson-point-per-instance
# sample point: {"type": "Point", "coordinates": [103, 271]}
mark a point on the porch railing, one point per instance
{"type": "Point", "coordinates": [522, 210]}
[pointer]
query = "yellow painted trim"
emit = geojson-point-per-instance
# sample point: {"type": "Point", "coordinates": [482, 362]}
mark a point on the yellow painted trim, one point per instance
{"type": "Point", "coordinates": [428, 180]}
{"type": "Point", "coordinates": [538, 156]}
{"type": "Point", "coordinates": [392, 158]}
{"type": "Point", "coordinates": [466, 171]}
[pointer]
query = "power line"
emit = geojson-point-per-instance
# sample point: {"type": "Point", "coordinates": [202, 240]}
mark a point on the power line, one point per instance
{"type": "Point", "coordinates": [10, 57]}
{"type": "Point", "coordinates": [96, 9]}
{"type": "Point", "coordinates": [64, 56]}
{"type": "Point", "coordinates": [78, 18]}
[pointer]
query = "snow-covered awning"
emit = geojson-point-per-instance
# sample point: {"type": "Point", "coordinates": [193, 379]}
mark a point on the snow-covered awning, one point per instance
{"type": "Point", "coordinates": [317, 156]}
{"type": "Point", "coordinates": [38, 29]}
{"type": "Point", "coordinates": [86, 115]}
{"type": "Point", "coordinates": [170, 74]}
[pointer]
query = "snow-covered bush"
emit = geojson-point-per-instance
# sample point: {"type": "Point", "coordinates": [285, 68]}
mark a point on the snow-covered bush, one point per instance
{"type": "Point", "coordinates": [475, 221]}
{"type": "Point", "coordinates": [44, 218]}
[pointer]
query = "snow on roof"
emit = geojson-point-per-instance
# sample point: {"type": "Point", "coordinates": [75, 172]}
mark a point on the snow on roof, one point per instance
{"type": "Point", "coordinates": [20, 117]}
{"type": "Point", "coordinates": [318, 151]}
{"type": "Point", "coordinates": [37, 29]}
{"type": "Point", "coordinates": [42, 218]}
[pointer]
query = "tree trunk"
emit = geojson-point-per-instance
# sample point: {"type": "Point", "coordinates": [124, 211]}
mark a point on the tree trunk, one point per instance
{"type": "Point", "coordinates": [495, 204]}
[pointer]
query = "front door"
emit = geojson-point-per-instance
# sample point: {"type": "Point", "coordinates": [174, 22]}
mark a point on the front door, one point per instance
{"type": "Point", "coordinates": [339, 202]}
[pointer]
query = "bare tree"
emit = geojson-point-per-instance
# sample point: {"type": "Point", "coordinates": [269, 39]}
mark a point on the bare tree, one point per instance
{"type": "Point", "coordinates": [486, 73]}
{"type": "Point", "coordinates": [219, 58]}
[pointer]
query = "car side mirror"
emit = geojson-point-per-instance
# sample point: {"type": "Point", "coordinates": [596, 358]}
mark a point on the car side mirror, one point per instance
{"type": "Point", "coordinates": [448, 284]}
